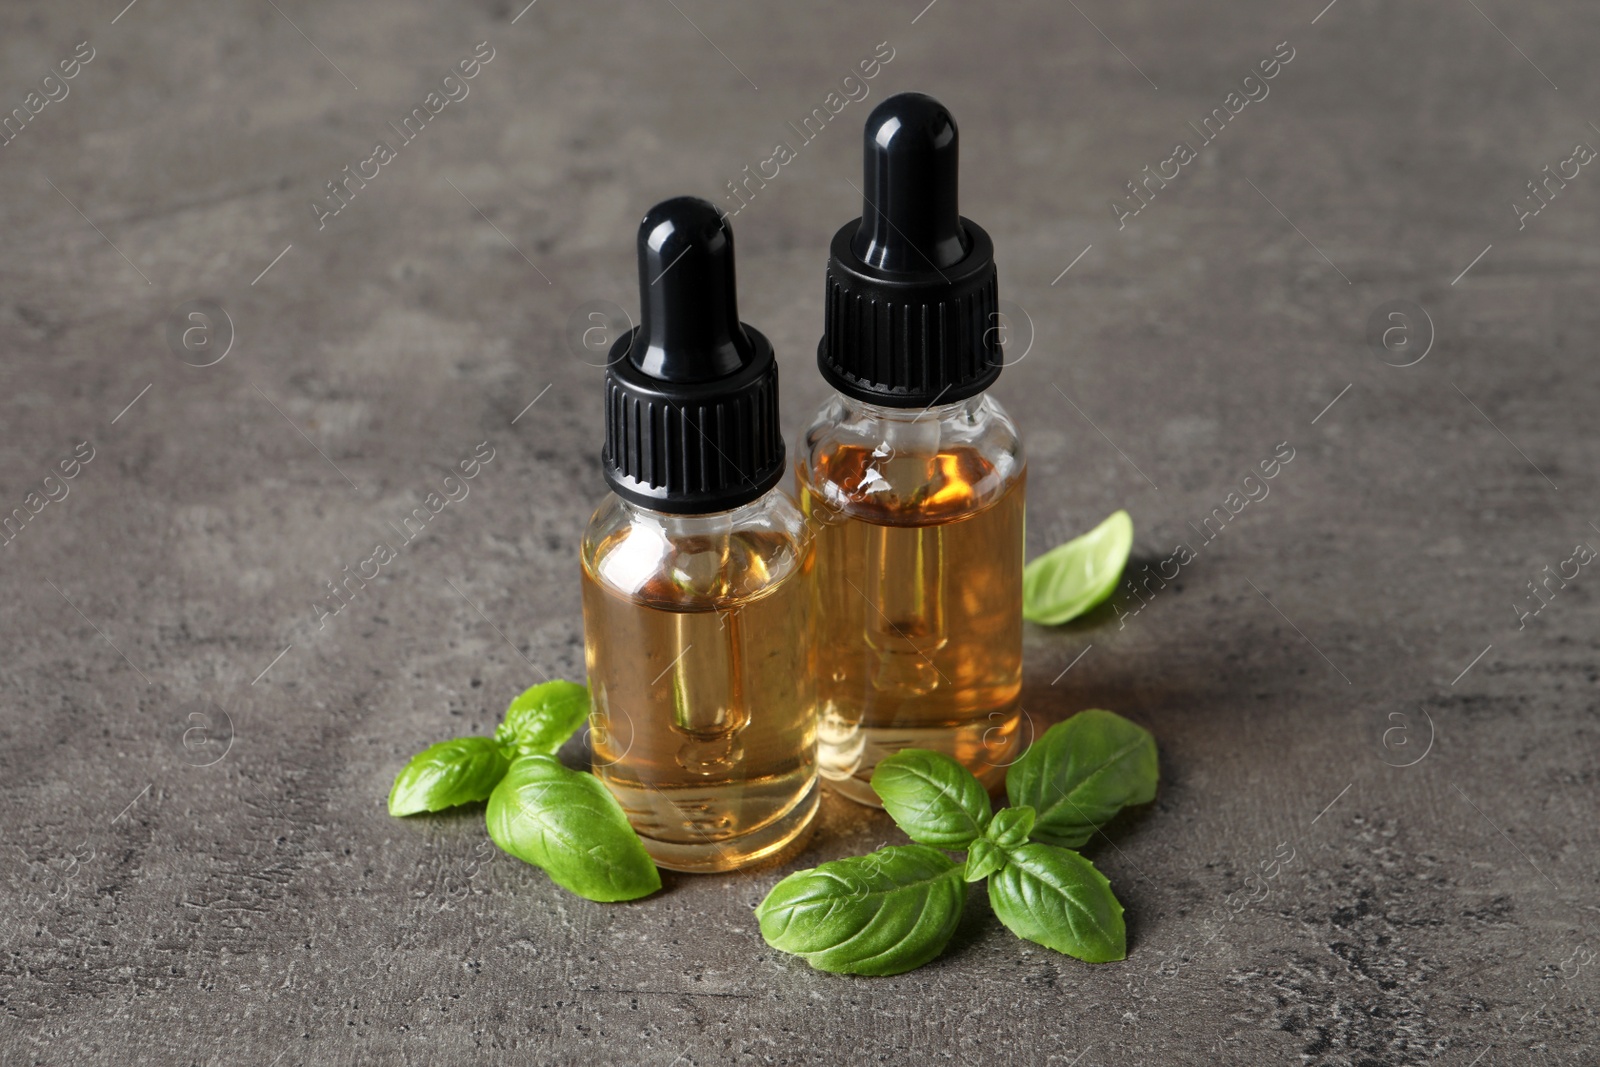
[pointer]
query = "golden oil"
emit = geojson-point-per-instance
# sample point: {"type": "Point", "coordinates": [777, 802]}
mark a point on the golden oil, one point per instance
{"type": "Point", "coordinates": [918, 588]}
{"type": "Point", "coordinates": [703, 723]}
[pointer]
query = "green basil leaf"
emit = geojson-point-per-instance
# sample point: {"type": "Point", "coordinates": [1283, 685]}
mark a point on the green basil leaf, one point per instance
{"type": "Point", "coordinates": [930, 796]}
{"type": "Point", "coordinates": [883, 913]}
{"type": "Point", "coordinates": [1011, 826]}
{"type": "Point", "coordinates": [539, 721]}
{"type": "Point", "coordinates": [983, 859]}
{"type": "Point", "coordinates": [1081, 772]}
{"type": "Point", "coordinates": [1056, 898]}
{"type": "Point", "coordinates": [569, 824]}
{"type": "Point", "coordinates": [1071, 579]}
{"type": "Point", "coordinates": [449, 773]}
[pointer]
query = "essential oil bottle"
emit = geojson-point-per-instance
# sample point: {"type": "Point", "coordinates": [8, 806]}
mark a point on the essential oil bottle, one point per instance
{"type": "Point", "coordinates": [911, 477]}
{"type": "Point", "coordinates": [696, 568]}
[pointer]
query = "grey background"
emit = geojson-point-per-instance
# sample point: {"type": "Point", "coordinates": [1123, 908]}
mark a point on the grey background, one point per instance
{"type": "Point", "coordinates": [1294, 896]}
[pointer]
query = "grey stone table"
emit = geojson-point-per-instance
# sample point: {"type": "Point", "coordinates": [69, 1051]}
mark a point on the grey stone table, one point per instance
{"type": "Point", "coordinates": [1374, 686]}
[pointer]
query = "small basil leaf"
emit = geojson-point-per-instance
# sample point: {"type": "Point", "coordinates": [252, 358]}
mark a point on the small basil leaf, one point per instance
{"type": "Point", "coordinates": [567, 823]}
{"type": "Point", "coordinates": [1071, 579]}
{"type": "Point", "coordinates": [1011, 826]}
{"type": "Point", "coordinates": [540, 720]}
{"type": "Point", "coordinates": [1081, 772]}
{"type": "Point", "coordinates": [1056, 898]}
{"type": "Point", "coordinates": [930, 796]}
{"type": "Point", "coordinates": [983, 859]}
{"type": "Point", "coordinates": [883, 913]}
{"type": "Point", "coordinates": [449, 773]}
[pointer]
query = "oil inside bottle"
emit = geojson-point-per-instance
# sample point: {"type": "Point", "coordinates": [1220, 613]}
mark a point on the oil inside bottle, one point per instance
{"type": "Point", "coordinates": [703, 721]}
{"type": "Point", "coordinates": [919, 638]}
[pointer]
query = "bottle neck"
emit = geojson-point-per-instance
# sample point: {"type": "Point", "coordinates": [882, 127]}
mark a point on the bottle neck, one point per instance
{"type": "Point", "coordinates": [936, 413]}
{"type": "Point", "coordinates": [914, 431]}
{"type": "Point", "coordinates": [709, 524]}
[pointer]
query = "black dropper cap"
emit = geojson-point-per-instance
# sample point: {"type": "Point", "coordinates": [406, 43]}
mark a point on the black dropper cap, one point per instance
{"type": "Point", "coordinates": [691, 392]}
{"type": "Point", "coordinates": [912, 296]}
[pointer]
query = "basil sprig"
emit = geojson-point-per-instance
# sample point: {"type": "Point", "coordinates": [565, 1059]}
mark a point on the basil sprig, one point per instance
{"type": "Point", "coordinates": [563, 821]}
{"type": "Point", "coordinates": [1078, 576]}
{"type": "Point", "coordinates": [896, 908]}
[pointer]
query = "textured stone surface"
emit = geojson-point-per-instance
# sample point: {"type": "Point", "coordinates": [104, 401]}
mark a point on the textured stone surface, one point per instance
{"type": "Point", "coordinates": [1295, 896]}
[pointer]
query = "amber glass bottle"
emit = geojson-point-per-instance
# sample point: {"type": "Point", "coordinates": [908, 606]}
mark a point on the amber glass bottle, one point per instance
{"type": "Point", "coordinates": [695, 571]}
{"type": "Point", "coordinates": [911, 478]}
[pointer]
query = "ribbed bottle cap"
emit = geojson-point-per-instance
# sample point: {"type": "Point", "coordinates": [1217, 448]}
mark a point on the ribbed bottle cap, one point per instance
{"type": "Point", "coordinates": [691, 392]}
{"type": "Point", "coordinates": [912, 298]}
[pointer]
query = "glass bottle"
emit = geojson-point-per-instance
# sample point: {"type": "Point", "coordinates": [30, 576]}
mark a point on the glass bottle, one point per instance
{"type": "Point", "coordinates": [695, 571]}
{"type": "Point", "coordinates": [912, 479]}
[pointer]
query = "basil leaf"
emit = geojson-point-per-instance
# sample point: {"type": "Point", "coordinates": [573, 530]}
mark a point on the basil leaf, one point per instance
{"type": "Point", "coordinates": [1011, 826]}
{"type": "Point", "coordinates": [540, 720]}
{"type": "Point", "coordinates": [930, 796]}
{"type": "Point", "coordinates": [1056, 898]}
{"type": "Point", "coordinates": [567, 823]}
{"type": "Point", "coordinates": [983, 859]}
{"type": "Point", "coordinates": [1081, 772]}
{"type": "Point", "coordinates": [1071, 579]}
{"type": "Point", "coordinates": [449, 773]}
{"type": "Point", "coordinates": [883, 913]}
